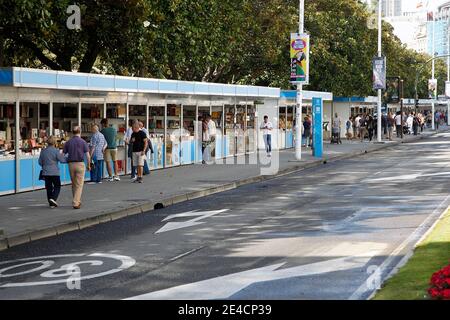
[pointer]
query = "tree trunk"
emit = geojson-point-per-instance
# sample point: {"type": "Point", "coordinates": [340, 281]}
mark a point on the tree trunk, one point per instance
{"type": "Point", "coordinates": [91, 54]}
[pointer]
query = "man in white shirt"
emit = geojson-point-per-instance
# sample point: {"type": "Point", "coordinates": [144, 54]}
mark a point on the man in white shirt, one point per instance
{"type": "Point", "coordinates": [267, 128]}
{"type": "Point", "coordinates": [398, 125]}
{"type": "Point", "coordinates": [209, 137]}
{"type": "Point", "coordinates": [336, 128]}
{"type": "Point", "coordinates": [357, 125]}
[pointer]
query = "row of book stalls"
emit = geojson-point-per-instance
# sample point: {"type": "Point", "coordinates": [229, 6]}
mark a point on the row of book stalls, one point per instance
{"type": "Point", "coordinates": [35, 104]}
{"type": "Point", "coordinates": [350, 107]}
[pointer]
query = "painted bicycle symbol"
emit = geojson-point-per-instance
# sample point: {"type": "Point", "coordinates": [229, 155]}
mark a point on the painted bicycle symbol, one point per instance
{"type": "Point", "coordinates": [69, 268]}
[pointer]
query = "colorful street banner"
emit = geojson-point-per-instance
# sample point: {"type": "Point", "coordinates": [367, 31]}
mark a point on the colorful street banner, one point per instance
{"type": "Point", "coordinates": [447, 89]}
{"type": "Point", "coordinates": [392, 92]}
{"type": "Point", "coordinates": [379, 73]}
{"type": "Point", "coordinates": [299, 59]}
{"type": "Point", "coordinates": [432, 88]}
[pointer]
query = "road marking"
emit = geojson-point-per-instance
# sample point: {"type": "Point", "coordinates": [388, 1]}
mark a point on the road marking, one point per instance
{"type": "Point", "coordinates": [186, 254]}
{"type": "Point", "coordinates": [64, 271]}
{"type": "Point", "coordinates": [200, 215]}
{"type": "Point", "coordinates": [226, 286]}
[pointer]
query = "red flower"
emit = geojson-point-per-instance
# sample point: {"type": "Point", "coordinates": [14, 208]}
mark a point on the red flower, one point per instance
{"type": "Point", "coordinates": [434, 293]}
{"type": "Point", "coordinates": [446, 271]}
{"type": "Point", "coordinates": [440, 284]}
{"type": "Point", "coordinates": [446, 294]}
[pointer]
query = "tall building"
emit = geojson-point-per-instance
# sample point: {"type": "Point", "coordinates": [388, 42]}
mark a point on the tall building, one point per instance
{"type": "Point", "coordinates": [439, 24]}
{"type": "Point", "coordinates": [411, 28]}
{"type": "Point", "coordinates": [391, 8]}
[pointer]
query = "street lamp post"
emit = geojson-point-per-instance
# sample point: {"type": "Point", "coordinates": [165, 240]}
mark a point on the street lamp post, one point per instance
{"type": "Point", "coordinates": [379, 90]}
{"type": "Point", "coordinates": [298, 114]}
{"type": "Point", "coordinates": [402, 97]}
{"type": "Point", "coordinates": [448, 73]}
{"type": "Point", "coordinates": [433, 124]}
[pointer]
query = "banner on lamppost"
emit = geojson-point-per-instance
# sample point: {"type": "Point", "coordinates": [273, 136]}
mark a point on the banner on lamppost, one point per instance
{"type": "Point", "coordinates": [379, 73]}
{"type": "Point", "coordinates": [299, 59]}
{"type": "Point", "coordinates": [432, 88]}
{"type": "Point", "coordinates": [447, 89]}
{"type": "Point", "coordinates": [392, 93]}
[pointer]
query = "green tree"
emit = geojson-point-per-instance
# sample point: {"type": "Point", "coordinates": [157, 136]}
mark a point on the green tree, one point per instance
{"type": "Point", "coordinates": [37, 29]}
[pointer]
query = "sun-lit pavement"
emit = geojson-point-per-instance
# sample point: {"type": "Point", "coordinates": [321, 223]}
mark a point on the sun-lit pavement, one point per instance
{"type": "Point", "coordinates": [21, 215]}
{"type": "Point", "coordinates": [317, 234]}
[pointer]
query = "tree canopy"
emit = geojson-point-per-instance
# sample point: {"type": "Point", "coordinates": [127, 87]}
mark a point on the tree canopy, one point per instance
{"type": "Point", "coordinates": [233, 41]}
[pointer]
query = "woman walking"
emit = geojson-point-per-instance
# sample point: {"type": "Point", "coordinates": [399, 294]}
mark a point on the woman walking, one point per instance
{"type": "Point", "coordinates": [48, 160]}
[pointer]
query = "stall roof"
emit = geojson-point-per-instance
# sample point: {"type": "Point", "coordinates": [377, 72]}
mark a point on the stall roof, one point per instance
{"type": "Point", "coordinates": [307, 95]}
{"type": "Point", "coordinates": [48, 79]}
{"type": "Point", "coordinates": [369, 99]}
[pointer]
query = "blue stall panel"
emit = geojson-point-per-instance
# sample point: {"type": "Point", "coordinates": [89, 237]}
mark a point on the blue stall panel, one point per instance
{"type": "Point", "coordinates": [26, 174]}
{"type": "Point", "coordinates": [37, 169]}
{"type": "Point", "coordinates": [7, 176]}
{"type": "Point", "coordinates": [186, 152]}
{"type": "Point", "coordinates": [157, 158]}
{"type": "Point", "coordinates": [289, 139]}
{"type": "Point", "coordinates": [227, 151]}
{"type": "Point", "coordinates": [198, 147]}
{"type": "Point", "coordinates": [219, 147]}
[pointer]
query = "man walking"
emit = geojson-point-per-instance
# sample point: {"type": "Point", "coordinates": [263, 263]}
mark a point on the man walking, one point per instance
{"type": "Point", "coordinates": [149, 147]}
{"type": "Point", "coordinates": [76, 150]}
{"type": "Point", "coordinates": [267, 128]}
{"type": "Point", "coordinates": [98, 146]}
{"type": "Point", "coordinates": [140, 144]}
{"type": "Point", "coordinates": [363, 127]}
{"type": "Point", "coordinates": [127, 139]}
{"type": "Point", "coordinates": [437, 119]}
{"type": "Point", "coordinates": [209, 137]}
{"type": "Point", "coordinates": [390, 124]}
{"type": "Point", "coordinates": [398, 124]}
{"type": "Point", "coordinates": [110, 134]}
{"type": "Point", "coordinates": [358, 126]}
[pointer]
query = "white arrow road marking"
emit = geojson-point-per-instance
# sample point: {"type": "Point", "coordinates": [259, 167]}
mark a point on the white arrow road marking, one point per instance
{"type": "Point", "coordinates": [225, 286]}
{"type": "Point", "coordinates": [201, 215]}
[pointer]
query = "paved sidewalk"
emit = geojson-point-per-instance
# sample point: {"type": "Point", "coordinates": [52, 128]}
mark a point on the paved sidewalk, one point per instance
{"type": "Point", "coordinates": [26, 217]}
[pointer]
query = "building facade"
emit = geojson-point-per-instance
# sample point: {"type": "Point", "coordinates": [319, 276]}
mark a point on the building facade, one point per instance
{"type": "Point", "coordinates": [391, 8]}
{"type": "Point", "coordinates": [439, 27]}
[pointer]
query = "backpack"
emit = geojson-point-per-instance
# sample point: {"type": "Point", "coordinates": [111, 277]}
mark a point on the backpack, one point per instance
{"type": "Point", "coordinates": [348, 125]}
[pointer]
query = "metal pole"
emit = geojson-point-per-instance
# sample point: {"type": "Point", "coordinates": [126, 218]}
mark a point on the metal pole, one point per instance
{"type": "Point", "coordinates": [448, 72]}
{"type": "Point", "coordinates": [298, 114]}
{"type": "Point", "coordinates": [433, 124]}
{"type": "Point", "coordinates": [401, 103]}
{"type": "Point", "coordinates": [17, 139]}
{"type": "Point", "coordinates": [379, 136]}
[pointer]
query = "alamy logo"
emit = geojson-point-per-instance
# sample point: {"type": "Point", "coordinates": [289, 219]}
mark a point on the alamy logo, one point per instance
{"type": "Point", "coordinates": [74, 20]}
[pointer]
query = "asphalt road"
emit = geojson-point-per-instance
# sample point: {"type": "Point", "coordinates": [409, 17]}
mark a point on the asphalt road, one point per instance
{"type": "Point", "coordinates": [332, 232]}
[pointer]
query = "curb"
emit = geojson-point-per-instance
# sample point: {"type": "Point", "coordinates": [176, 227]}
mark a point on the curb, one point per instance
{"type": "Point", "coordinates": [30, 236]}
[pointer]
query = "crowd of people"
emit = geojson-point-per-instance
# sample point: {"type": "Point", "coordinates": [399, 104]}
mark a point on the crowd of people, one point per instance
{"type": "Point", "coordinates": [102, 149]}
{"type": "Point", "coordinates": [364, 126]}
